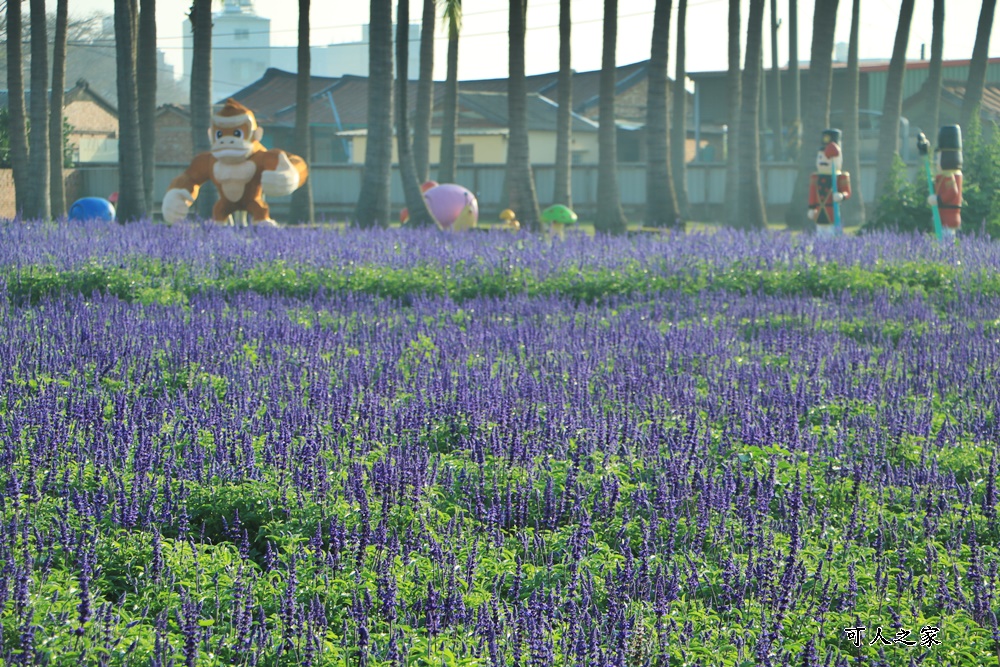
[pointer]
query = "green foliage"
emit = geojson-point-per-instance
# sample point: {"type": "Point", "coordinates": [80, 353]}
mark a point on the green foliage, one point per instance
{"type": "Point", "coordinates": [902, 205]}
{"type": "Point", "coordinates": [981, 181]}
{"type": "Point", "coordinates": [5, 162]}
{"type": "Point", "coordinates": [154, 282]}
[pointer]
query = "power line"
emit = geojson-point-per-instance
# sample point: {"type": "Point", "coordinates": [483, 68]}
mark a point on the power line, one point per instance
{"type": "Point", "coordinates": [357, 25]}
{"type": "Point", "coordinates": [491, 33]}
{"type": "Point", "coordinates": [170, 70]}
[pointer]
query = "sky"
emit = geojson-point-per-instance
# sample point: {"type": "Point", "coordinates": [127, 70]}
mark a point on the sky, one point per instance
{"type": "Point", "coordinates": [483, 45]}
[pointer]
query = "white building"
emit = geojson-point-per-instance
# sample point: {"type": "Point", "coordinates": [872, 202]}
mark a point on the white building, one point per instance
{"type": "Point", "coordinates": [241, 43]}
{"type": "Point", "coordinates": [344, 58]}
{"type": "Point", "coordinates": [242, 51]}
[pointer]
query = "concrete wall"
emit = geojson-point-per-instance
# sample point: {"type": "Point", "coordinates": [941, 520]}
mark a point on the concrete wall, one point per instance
{"type": "Point", "coordinates": [75, 183]}
{"type": "Point", "coordinates": [336, 187]}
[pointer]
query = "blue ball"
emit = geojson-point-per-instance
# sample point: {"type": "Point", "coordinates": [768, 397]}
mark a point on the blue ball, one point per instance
{"type": "Point", "coordinates": [92, 208]}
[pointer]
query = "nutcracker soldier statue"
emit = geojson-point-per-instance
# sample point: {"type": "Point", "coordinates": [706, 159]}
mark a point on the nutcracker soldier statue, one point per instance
{"type": "Point", "coordinates": [947, 195]}
{"type": "Point", "coordinates": [829, 186]}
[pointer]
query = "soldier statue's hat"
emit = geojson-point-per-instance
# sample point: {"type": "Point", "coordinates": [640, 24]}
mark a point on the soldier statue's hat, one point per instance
{"type": "Point", "coordinates": [950, 145]}
{"type": "Point", "coordinates": [831, 134]}
{"type": "Point", "coordinates": [950, 137]}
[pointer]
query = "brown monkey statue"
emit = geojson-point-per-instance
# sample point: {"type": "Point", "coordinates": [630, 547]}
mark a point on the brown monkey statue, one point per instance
{"type": "Point", "coordinates": [239, 166]}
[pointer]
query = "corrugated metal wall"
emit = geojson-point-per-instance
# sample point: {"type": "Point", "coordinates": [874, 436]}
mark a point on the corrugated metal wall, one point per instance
{"type": "Point", "coordinates": [915, 78]}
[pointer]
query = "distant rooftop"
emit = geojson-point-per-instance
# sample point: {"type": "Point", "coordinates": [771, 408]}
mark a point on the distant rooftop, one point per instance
{"type": "Point", "coordinates": [864, 66]}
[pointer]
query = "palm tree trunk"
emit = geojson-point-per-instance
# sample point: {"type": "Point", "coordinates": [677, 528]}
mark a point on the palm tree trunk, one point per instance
{"type": "Point", "coordinates": [17, 116]}
{"type": "Point", "coordinates": [816, 112]}
{"type": "Point", "coordinates": [661, 200]}
{"type": "Point", "coordinates": [795, 142]}
{"type": "Point", "coordinates": [420, 216]}
{"type": "Point", "coordinates": [752, 212]}
{"type": "Point", "coordinates": [977, 68]}
{"type": "Point", "coordinates": [146, 83]}
{"type": "Point", "coordinates": [130, 193]}
{"type": "Point", "coordinates": [201, 93]}
{"type": "Point", "coordinates": [563, 191]}
{"type": "Point", "coordinates": [425, 94]}
{"type": "Point", "coordinates": [778, 136]}
{"type": "Point", "coordinates": [302, 199]}
{"type": "Point", "coordinates": [852, 147]}
{"type": "Point", "coordinates": [520, 179]}
{"type": "Point", "coordinates": [38, 154]}
{"type": "Point", "coordinates": [932, 88]}
{"type": "Point", "coordinates": [56, 156]}
{"type": "Point", "coordinates": [373, 208]}
{"type": "Point", "coordinates": [678, 126]}
{"type": "Point", "coordinates": [449, 119]}
{"type": "Point", "coordinates": [892, 109]}
{"type": "Point", "coordinates": [734, 79]}
{"type": "Point", "coordinates": [610, 216]}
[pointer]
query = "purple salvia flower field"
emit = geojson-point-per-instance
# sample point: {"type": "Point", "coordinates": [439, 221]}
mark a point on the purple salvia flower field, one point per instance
{"type": "Point", "coordinates": [310, 447]}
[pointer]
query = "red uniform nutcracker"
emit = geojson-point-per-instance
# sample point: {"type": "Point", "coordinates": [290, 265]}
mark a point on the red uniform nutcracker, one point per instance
{"type": "Point", "coordinates": [822, 195]}
{"type": "Point", "coordinates": [948, 180]}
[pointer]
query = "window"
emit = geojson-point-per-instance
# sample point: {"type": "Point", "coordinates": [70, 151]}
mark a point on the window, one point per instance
{"type": "Point", "coordinates": [241, 33]}
{"type": "Point", "coordinates": [465, 154]}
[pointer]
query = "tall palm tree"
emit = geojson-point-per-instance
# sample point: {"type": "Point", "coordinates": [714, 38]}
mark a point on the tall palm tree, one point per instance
{"type": "Point", "coordinates": [892, 108]}
{"type": "Point", "coordinates": [661, 201]}
{"type": "Point", "coordinates": [778, 135]}
{"type": "Point", "coordinates": [816, 111]}
{"type": "Point", "coordinates": [977, 67]}
{"type": "Point", "coordinates": [38, 147]}
{"type": "Point", "coordinates": [373, 207]}
{"type": "Point", "coordinates": [734, 88]}
{"type": "Point", "coordinates": [610, 216]}
{"type": "Point", "coordinates": [201, 92]}
{"type": "Point", "coordinates": [449, 118]}
{"type": "Point", "coordinates": [146, 74]}
{"type": "Point", "coordinates": [302, 199]}
{"type": "Point", "coordinates": [852, 144]}
{"type": "Point", "coordinates": [752, 212]}
{"type": "Point", "coordinates": [58, 187]}
{"type": "Point", "coordinates": [793, 66]}
{"type": "Point", "coordinates": [17, 116]}
{"type": "Point", "coordinates": [520, 179]}
{"type": "Point", "coordinates": [420, 216]}
{"type": "Point", "coordinates": [563, 191]}
{"type": "Point", "coordinates": [678, 126]}
{"type": "Point", "coordinates": [131, 201]}
{"type": "Point", "coordinates": [425, 94]}
{"type": "Point", "coordinates": [932, 87]}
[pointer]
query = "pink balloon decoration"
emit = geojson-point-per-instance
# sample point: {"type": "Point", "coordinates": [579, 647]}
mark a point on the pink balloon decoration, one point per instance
{"type": "Point", "coordinates": [449, 201]}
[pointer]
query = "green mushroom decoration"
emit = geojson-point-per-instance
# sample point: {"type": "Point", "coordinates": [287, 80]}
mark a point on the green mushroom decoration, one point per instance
{"type": "Point", "coordinates": [557, 217]}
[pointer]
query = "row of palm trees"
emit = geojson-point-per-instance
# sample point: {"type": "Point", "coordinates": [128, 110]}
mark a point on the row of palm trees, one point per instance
{"type": "Point", "coordinates": [373, 204]}
{"type": "Point", "coordinates": [38, 171]}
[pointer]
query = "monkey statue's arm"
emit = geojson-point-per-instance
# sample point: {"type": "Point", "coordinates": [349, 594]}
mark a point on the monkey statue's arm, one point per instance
{"type": "Point", "coordinates": [183, 190]}
{"type": "Point", "coordinates": [283, 173]}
